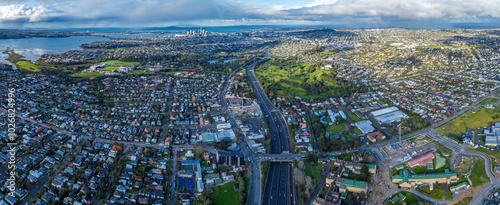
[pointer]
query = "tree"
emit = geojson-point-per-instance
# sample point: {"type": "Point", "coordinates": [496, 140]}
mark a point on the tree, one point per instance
{"type": "Point", "coordinates": [320, 155]}
{"type": "Point", "coordinates": [298, 176]}
{"type": "Point", "coordinates": [301, 165]}
{"type": "Point", "coordinates": [308, 184]}
{"type": "Point", "coordinates": [241, 188]}
{"type": "Point", "coordinates": [203, 196]}
{"type": "Point", "coordinates": [311, 158]}
{"type": "Point", "coordinates": [365, 173]}
{"type": "Point", "coordinates": [147, 153]}
{"type": "Point", "coordinates": [322, 193]}
{"type": "Point", "coordinates": [333, 168]}
{"type": "Point", "coordinates": [365, 158]}
{"type": "Point", "coordinates": [362, 195]}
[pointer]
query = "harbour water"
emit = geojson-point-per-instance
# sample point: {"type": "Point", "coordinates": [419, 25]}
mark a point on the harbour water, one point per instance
{"type": "Point", "coordinates": [33, 48]}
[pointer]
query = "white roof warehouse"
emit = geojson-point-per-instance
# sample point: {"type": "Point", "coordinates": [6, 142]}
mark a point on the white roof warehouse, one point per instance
{"type": "Point", "coordinates": [388, 115]}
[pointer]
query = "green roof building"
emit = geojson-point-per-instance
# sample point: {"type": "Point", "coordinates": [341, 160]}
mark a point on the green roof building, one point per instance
{"type": "Point", "coordinates": [372, 168]}
{"type": "Point", "coordinates": [459, 186]}
{"type": "Point", "coordinates": [407, 180]}
{"type": "Point", "coordinates": [351, 185]}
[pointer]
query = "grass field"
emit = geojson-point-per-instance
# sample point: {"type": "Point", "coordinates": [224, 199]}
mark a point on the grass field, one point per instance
{"type": "Point", "coordinates": [119, 63]}
{"type": "Point", "coordinates": [287, 81]}
{"type": "Point", "coordinates": [468, 119]}
{"type": "Point", "coordinates": [334, 129]}
{"type": "Point", "coordinates": [110, 68]}
{"type": "Point", "coordinates": [242, 53]}
{"type": "Point", "coordinates": [381, 102]}
{"type": "Point", "coordinates": [138, 72]}
{"type": "Point", "coordinates": [313, 171]}
{"type": "Point", "coordinates": [487, 151]}
{"type": "Point", "coordinates": [32, 67]}
{"type": "Point", "coordinates": [221, 54]}
{"type": "Point", "coordinates": [448, 196]}
{"type": "Point", "coordinates": [328, 52]}
{"type": "Point", "coordinates": [437, 193]}
{"type": "Point", "coordinates": [425, 190]}
{"type": "Point", "coordinates": [419, 169]}
{"type": "Point", "coordinates": [27, 65]}
{"type": "Point", "coordinates": [478, 175]}
{"type": "Point", "coordinates": [22, 64]}
{"type": "Point", "coordinates": [353, 116]}
{"type": "Point", "coordinates": [225, 194]}
{"type": "Point", "coordinates": [357, 131]}
{"type": "Point", "coordinates": [87, 75]}
{"type": "Point", "coordinates": [247, 182]}
{"type": "Point", "coordinates": [489, 101]}
{"type": "Point", "coordinates": [348, 137]}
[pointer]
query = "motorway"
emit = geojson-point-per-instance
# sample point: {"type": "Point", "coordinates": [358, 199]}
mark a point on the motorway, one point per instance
{"type": "Point", "coordinates": [280, 138]}
{"type": "Point", "coordinates": [279, 185]}
{"type": "Point", "coordinates": [254, 188]}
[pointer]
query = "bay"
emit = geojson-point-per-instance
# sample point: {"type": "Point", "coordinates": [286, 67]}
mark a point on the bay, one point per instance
{"type": "Point", "coordinates": [33, 48]}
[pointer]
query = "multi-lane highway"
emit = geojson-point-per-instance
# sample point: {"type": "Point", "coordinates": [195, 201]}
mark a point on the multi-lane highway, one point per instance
{"type": "Point", "coordinates": [279, 184]}
{"type": "Point", "coordinates": [280, 138]}
{"type": "Point", "coordinates": [254, 189]}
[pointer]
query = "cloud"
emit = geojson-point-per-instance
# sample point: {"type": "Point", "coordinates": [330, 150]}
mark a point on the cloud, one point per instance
{"type": "Point", "coordinates": [321, 2]}
{"type": "Point", "coordinates": [168, 12]}
{"type": "Point", "coordinates": [153, 12]}
{"type": "Point", "coordinates": [22, 13]}
{"type": "Point", "coordinates": [400, 9]}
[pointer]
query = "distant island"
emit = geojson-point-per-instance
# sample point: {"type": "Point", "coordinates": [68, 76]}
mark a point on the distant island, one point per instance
{"type": "Point", "coordinates": [16, 34]}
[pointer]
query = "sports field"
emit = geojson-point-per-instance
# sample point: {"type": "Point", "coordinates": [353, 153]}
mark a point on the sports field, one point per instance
{"type": "Point", "coordinates": [472, 118]}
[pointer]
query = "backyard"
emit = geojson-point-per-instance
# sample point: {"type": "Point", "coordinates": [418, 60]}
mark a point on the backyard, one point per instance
{"type": "Point", "coordinates": [334, 129]}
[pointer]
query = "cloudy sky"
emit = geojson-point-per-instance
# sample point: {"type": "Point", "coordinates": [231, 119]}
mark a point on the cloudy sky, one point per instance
{"type": "Point", "coordinates": [147, 13]}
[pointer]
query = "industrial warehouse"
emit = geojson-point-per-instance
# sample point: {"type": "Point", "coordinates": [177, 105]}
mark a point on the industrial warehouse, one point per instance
{"type": "Point", "coordinates": [388, 115]}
